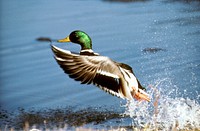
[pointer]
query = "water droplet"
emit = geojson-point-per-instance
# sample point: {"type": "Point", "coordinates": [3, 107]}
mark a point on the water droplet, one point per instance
{"type": "Point", "coordinates": [163, 111]}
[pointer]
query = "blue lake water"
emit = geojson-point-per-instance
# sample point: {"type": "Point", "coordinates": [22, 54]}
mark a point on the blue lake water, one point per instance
{"type": "Point", "coordinates": [31, 78]}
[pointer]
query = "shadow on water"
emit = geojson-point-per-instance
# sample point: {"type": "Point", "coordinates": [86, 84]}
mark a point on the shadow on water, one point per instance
{"type": "Point", "coordinates": [153, 50]}
{"type": "Point", "coordinates": [44, 39]}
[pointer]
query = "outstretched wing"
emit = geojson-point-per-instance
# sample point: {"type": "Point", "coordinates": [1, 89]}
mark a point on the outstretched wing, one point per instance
{"type": "Point", "coordinates": [99, 70]}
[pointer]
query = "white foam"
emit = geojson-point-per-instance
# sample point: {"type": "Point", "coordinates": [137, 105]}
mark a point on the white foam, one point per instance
{"type": "Point", "coordinates": [165, 112]}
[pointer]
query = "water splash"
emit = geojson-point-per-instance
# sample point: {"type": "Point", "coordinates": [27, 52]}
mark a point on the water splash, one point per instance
{"type": "Point", "coordinates": [166, 111]}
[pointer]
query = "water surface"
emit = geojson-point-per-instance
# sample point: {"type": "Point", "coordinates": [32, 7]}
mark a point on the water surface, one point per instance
{"type": "Point", "coordinates": [30, 77]}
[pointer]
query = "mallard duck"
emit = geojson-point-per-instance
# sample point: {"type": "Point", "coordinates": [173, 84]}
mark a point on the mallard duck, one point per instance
{"type": "Point", "coordinates": [89, 67]}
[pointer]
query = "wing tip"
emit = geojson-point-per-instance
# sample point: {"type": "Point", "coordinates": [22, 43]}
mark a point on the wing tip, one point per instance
{"type": "Point", "coordinates": [56, 49]}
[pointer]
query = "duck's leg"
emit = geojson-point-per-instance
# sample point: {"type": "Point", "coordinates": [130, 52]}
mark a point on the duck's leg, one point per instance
{"type": "Point", "coordinates": [140, 95]}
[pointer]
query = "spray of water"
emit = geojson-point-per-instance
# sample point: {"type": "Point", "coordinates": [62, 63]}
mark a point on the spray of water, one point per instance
{"type": "Point", "coordinates": [166, 111]}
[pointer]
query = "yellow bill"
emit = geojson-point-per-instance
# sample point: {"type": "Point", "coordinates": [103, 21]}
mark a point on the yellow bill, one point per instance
{"type": "Point", "coordinates": [64, 40]}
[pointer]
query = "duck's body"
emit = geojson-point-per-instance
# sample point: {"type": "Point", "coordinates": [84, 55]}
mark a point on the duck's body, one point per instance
{"type": "Point", "coordinates": [90, 68]}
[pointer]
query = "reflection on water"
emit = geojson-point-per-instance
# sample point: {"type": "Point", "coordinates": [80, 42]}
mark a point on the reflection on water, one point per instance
{"type": "Point", "coordinates": [159, 39]}
{"type": "Point", "coordinates": [60, 117]}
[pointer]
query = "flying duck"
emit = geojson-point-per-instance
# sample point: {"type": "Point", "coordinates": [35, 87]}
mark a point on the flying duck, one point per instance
{"type": "Point", "coordinates": [89, 67]}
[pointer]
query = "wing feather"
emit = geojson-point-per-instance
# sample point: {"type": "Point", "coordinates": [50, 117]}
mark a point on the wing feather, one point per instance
{"type": "Point", "coordinates": [99, 70]}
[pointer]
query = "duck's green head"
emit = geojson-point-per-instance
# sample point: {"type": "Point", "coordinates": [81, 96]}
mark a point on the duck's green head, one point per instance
{"type": "Point", "coordinates": [79, 37]}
